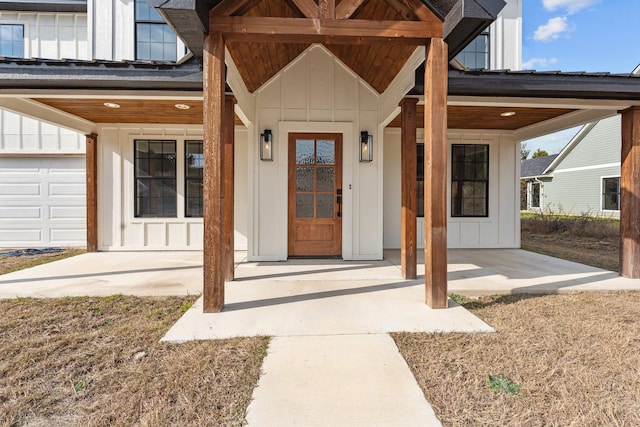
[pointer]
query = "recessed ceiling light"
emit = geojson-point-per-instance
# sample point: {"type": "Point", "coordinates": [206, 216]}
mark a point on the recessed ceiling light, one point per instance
{"type": "Point", "coordinates": [111, 105]}
{"type": "Point", "coordinates": [508, 114]}
{"type": "Point", "coordinates": [182, 106]}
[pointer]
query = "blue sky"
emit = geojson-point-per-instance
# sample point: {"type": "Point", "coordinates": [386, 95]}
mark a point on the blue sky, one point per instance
{"type": "Point", "coordinates": [578, 35]}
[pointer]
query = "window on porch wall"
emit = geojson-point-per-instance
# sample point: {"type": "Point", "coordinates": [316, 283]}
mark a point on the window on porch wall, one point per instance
{"type": "Point", "coordinates": [155, 179]}
{"type": "Point", "coordinates": [469, 180]}
{"type": "Point", "coordinates": [194, 165]}
{"type": "Point", "coordinates": [12, 40]}
{"type": "Point", "coordinates": [611, 194]}
{"type": "Point", "coordinates": [154, 38]}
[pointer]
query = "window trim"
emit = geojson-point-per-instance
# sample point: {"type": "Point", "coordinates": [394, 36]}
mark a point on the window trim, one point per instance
{"type": "Point", "coordinates": [602, 178]}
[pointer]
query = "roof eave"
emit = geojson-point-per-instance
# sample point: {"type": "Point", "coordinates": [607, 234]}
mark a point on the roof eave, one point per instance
{"type": "Point", "coordinates": [189, 19]}
{"type": "Point", "coordinates": [45, 6]}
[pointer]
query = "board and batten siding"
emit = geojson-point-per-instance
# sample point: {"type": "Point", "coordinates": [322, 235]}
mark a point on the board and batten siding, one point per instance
{"type": "Point", "coordinates": [501, 229]}
{"type": "Point", "coordinates": [47, 35]}
{"type": "Point", "coordinates": [119, 229]}
{"type": "Point", "coordinates": [42, 201]}
{"type": "Point", "coordinates": [316, 93]}
{"type": "Point", "coordinates": [576, 184]}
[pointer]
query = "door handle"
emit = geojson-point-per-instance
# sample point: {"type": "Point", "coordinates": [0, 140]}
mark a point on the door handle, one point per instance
{"type": "Point", "coordinates": [339, 201]}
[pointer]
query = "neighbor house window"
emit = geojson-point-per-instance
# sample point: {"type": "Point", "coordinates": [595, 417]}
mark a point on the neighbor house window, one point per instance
{"type": "Point", "coordinates": [476, 54]}
{"type": "Point", "coordinates": [611, 194]}
{"type": "Point", "coordinates": [469, 180]}
{"type": "Point", "coordinates": [12, 40]}
{"type": "Point", "coordinates": [534, 194]}
{"type": "Point", "coordinates": [155, 178]}
{"type": "Point", "coordinates": [154, 39]}
{"type": "Point", "coordinates": [194, 164]}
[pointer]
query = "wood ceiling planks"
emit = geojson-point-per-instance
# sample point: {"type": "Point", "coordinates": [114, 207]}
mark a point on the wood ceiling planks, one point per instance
{"type": "Point", "coordinates": [465, 117]}
{"type": "Point", "coordinates": [378, 65]}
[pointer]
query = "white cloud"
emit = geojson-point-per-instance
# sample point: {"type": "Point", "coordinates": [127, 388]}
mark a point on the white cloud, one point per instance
{"type": "Point", "coordinates": [571, 6]}
{"type": "Point", "coordinates": [552, 29]}
{"type": "Point", "coordinates": [538, 62]}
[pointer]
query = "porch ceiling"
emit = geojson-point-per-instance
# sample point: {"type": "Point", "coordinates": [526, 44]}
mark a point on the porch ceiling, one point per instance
{"type": "Point", "coordinates": [481, 117]}
{"type": "Point", "coordinates": [131, 110]}
{"type": "Point", "coordinates": [165, 112]}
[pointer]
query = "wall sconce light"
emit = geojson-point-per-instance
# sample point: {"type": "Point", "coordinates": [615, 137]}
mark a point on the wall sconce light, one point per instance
{"type": "Point", "coordinates": [366, 147]}
{"type": "Point", "coordinates": [266, 145]}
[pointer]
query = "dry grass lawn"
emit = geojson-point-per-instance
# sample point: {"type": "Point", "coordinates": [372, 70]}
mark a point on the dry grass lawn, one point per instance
{"type": "Point", "coordinates": [98, 362]}
{"type": "Point", "coordinates": [576, 359]}
{"type": "Point", "coordinates": [10, 264]}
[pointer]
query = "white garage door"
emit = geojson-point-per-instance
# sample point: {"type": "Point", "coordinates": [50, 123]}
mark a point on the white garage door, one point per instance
{"type": "Point", "coordinates": [42, 201]}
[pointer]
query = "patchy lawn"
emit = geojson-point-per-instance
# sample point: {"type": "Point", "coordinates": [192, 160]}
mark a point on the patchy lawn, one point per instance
{"type": "Point", "coordinates": [584, 239]}
{"type": "Point", "coordinates": [97, 362]}
{"type": "Point", "coordinates": [555, 360]}
{"type": "Point", "coordinates": [15, 263]}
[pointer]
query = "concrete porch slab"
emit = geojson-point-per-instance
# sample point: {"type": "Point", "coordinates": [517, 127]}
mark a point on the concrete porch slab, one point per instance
{"type": "Point", "coordinates": [322, 307]}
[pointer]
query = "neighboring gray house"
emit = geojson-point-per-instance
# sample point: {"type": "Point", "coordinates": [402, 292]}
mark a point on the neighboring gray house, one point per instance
{"type": "Point", "coordinates": [530, 186]}
{"type": "Point", "coordinates": [584, 178]}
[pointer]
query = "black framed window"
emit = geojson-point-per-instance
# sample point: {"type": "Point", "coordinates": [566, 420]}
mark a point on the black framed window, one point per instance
{"type": "Point", "coordinates": [611, 194]}
{"type": "Point", "coordinates": [155, 178]}
{"type": "Point", "coordinates": [154, 38]}
{"type": "Point", "coordinates": [535, 195]}
{"type": "Point", "coordinates": [476, 54]}
{"type": "Point", "coordinates": [12, 40]}
{"type": "Point", "coordinates": [194, 165]}
{"type": "Point", "coordinates": [469, 180]}
{"type": "Point", "coordinates": [420, 186]}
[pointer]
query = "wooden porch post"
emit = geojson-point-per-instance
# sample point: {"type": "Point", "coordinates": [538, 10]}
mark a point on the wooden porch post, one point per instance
{"type": "Point", "coordinates": [228, 170]}
{"type": "Point", "coordinates": [91, 168]}
{"type": "Point", "coordinates": [435, 173]}
{"type": "Point", "coordinates": [213, 185]}
{"type": "Point", "coordinates": [630, 194]}
{"type": "Point", "coordinates": [408, 249]}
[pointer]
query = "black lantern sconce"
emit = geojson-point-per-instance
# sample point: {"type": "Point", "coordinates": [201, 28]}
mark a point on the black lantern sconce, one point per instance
{"type": "Point", "coordinates": [266, 145]}
{"type": "Point", "coordinates": [366, 147]}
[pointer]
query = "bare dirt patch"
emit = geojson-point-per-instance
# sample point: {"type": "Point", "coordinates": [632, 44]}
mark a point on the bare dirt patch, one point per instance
{"type": "Point", "coordinates": [574, 358]}
{"type": "Point", "coordinates": [15, 263]}
{"type": "Point", "coordinates": [97, 362]}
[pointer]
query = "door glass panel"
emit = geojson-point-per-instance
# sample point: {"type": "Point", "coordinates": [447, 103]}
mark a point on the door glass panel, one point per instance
{"type": "Point", "coordinates": [304, 205]}
{"type": "Point", "coordinates": [304, 179]}
{"type": "Point", "coordinates": [325, 179]}
{"type": "Point", "coordinates": [324, 205]}
{"type": "Point", "coordinates": [326, 152]}
{"type": "Point", "coordinates": [304, 152]}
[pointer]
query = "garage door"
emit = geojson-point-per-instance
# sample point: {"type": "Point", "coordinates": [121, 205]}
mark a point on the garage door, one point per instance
{"type": "Point", "coordinates": [42, 201]}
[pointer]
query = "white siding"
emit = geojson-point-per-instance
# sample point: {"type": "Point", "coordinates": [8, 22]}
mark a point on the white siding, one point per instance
{"type": "Point", "coordinates": [42, 202]}
{"type": "Point", "coordinates": [499, 230]}
{"type": "Point", "coordinates": [113, 33]}
{"type": "Point", "coordinates": [51, 35]}
{"type": "Point", "coordinates": [47, 35]}
{"type": "Point", "coordinates": [316, 93]}
{"type": "Point", "coordinates": [118, 227]}
{"type": "Point", "coordinates": [506, 38]}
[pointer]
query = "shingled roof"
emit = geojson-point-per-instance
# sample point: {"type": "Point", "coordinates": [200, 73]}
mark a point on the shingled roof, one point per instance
{"type": "Point", "coordinates": [535, 167]}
